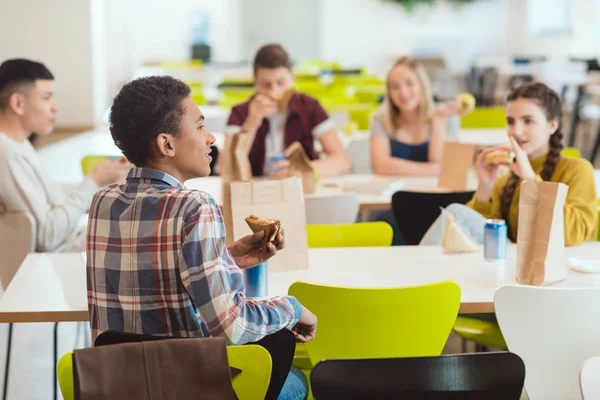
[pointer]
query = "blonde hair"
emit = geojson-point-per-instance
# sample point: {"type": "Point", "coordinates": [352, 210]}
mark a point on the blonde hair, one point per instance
{"type": "Point", "coordinates": [391, 112]}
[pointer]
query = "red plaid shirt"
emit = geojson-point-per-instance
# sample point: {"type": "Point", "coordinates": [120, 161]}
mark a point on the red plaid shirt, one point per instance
{"type": "Point", "coordinates": [157, 264]}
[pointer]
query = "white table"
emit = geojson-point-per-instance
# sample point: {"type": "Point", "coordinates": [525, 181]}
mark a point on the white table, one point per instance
{"type": "Point", "coordinates": [52, 287]}
{"type": "Point", "coordinates": [374, 192]}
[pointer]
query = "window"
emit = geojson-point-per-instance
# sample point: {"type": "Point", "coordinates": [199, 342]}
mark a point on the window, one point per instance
{"type": "Point", "coordinates": [549, 17]}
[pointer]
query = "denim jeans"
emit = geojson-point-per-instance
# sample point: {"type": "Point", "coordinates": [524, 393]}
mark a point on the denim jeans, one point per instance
{"type": "Point", "coordinates": [295, 386]}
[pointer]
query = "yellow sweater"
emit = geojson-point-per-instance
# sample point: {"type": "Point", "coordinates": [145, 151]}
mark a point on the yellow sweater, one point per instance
{"type": "Point", "coordinates": [581, 206]}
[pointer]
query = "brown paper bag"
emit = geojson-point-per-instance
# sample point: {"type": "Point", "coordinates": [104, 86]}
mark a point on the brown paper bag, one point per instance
{"type": "Point", "coordinates": [457, 160]}
{"type": "Point", "coordinates": [540, 238]}
{"type": "Point", "coordinates": [300, 166]}
{"type": "Point", "coordinates": [236, 167]}
{"type": "Point", "coordinates": [274, 199]}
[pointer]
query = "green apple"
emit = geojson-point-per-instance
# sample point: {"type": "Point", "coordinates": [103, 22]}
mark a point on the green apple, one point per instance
{"type": "Point", "coordinates": [467, 100]}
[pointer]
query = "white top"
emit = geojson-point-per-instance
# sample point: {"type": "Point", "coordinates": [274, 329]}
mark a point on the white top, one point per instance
{"type": "Point", "coordinates": [57, 208]}
{"type": "Point", "coordinates": [52, 287]}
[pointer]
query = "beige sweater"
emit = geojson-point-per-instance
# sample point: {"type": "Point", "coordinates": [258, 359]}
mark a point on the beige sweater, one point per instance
{"type": "Point", "coordinates": [57, 208]}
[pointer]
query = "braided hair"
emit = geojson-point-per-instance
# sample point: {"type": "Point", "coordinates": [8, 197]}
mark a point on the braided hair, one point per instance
{"type": "Point", "coordinates": [550, 102]}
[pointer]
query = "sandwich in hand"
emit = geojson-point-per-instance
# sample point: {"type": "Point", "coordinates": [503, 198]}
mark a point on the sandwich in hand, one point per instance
{"type": "Point", "coordinates": [500, 156]}
{"type": "Point", "coordinates": [270, 226]}
{"type": "Point", "coordinates": [284, 99]}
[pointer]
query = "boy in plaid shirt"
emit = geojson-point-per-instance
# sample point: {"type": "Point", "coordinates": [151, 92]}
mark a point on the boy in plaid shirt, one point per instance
{"type": "Point", "coordinates": [157, 261]}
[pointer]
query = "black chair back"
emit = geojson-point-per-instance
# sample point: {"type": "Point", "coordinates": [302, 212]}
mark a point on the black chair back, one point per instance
{"type": "Point", "coordinates": [214, 153]}
{"type": "Point", "coordinates": [280, 345]}
{"type": "Point", "coordinates": [416, 211]}
{"type": "Point", "coordinates": [465, 376]}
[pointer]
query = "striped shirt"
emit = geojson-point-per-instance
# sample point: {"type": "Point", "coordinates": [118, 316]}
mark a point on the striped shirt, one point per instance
{"type": "Point", "coordinates": [157, 264]}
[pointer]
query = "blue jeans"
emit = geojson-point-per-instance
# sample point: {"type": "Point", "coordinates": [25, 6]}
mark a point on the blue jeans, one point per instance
{"type": "Point", "coordinates": [388, 216]}
{"type": "Point", "coordinates": [295, 386]}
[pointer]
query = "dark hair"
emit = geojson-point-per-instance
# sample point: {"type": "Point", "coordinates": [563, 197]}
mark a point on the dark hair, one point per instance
{"type": "Point", "coordinates": [550, 102]}
{"type": "Point", "coordinates": [271, 56]}
{"type": "Point", "coordinates": [141, 110]}
{"type": "Point", "coordinates": [19, 71]}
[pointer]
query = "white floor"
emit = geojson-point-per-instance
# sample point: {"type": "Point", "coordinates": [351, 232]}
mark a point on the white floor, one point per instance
{"type": "Point", "coordinates": [31, 358]}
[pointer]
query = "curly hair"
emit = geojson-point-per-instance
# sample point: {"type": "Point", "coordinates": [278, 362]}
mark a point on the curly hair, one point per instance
{"type": "Point", "coordinates": [141, 110]}
{"type": "Point", "coordinates": [550, 102]}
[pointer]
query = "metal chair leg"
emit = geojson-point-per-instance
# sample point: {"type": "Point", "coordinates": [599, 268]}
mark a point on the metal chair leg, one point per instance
{"type": "Point", "coordinates": [596, 146]}
{"type": "Point", "coordinates": [54, 373]}
{"type": "Point", "coordinates": [575, 116]}
{"type": "Point", "coordinates": [6, 368]}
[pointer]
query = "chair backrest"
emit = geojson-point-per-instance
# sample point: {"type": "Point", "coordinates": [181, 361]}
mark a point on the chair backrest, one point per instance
{"type": "Point", "coordinates": [554, 330]}
{"type": "Point", "coordinates": [589, 378]}
{"type": "Point", "coordinates": [360, 157]}
{"type": "Point", "coordinates": [89, 162]}
{"type": "Point", "coordinates": [571, 152]}
{"type": "Point", "coordinates": [464, 376]}
{"type": "Point", "coordinates": [253, 360]}
{"type": "Point", "coordinates": [338, 209]}
{"type": "Point", "coordinates": [18, 237]}
{"type": "Point", "coordinates": [484, 117]}
{"type": "Point", "coordinates": [416, 211]}
{"type": "Point", "coordinates": [246, 385]}
{"type": "Point", "coordinates": [364, 234]}
{"type": "Point", "coordinates": [375, 323]}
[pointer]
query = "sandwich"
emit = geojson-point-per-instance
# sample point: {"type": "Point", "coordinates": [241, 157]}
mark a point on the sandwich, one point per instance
{"type": "Point", "coordinates": [282, 102]}
{"type": "Point", "coordinates": [457, 241]}
{"type": "Point", "coordinates": [270, 226]}
{"type": "Point", "coordinates": [500, 156]}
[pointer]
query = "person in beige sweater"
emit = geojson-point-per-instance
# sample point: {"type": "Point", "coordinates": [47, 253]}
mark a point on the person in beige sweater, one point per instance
{"type": "Point", "coordinates": [27, 105]}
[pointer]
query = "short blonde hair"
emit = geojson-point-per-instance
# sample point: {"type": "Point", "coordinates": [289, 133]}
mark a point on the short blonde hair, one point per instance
{"type": "Point", "coordinates": [391, 112]}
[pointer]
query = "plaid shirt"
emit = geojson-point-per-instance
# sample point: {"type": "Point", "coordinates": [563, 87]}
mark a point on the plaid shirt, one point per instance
{"type": "Point", "coordinates": [157, 264]}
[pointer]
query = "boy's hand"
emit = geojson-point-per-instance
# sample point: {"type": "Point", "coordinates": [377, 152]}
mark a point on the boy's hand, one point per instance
{"type": "Point", "coordinates": [306, 328]}
{"type": "Point", "coordinates": [248, 251]}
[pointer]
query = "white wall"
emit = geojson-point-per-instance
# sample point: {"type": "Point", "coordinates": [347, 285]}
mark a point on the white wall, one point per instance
{"type": "Point", "coordinates": [139, 31]}
{"type": "Point", "coordinates": [583, 41]}
{"type": "Point", "coordinates": [373, 31]}
{"type": "Point", "coordinates": [295, 24]}
{"type": "Point", "coordinates": [56, 33]}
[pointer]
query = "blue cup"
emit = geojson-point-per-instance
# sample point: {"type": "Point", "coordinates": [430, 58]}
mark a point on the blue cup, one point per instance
{"type": "Point", "coordinates": [275, 159]}
{"type": "Point", "coordinates": [256, 280]}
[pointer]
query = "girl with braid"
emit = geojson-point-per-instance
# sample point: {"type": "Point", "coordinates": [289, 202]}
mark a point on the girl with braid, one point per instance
{"type": "Point", "coordinates": [533, 114]}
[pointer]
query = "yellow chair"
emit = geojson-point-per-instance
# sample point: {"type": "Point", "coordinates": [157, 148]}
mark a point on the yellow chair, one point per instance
{"type": "Point", "coordinates": [378, 323]}
{"type": "Point", "coordinates": [364, 234]}
{"type": "Point", "coordinates": [484, 117]}
{"type": "Point", "coordinates": [254, 361]}
{"type": "Point", "coordinates": [89, 162]}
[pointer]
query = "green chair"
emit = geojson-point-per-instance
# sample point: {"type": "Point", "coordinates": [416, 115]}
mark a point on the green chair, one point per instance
{"type": "Point", "coordinates": [572, 152]}
{"type": "Point", "coordinates": [89, 162]}
{"type": "Point", "coordinates": [479, 331]}
{"type": "Point", "coordinates": [378, 323]}
{"type": "Point", "coordinates": [252, 383]}
{"type": "Point", "coordinates": [364, 234]}
{"type": "Point", "coordinates": [484, 117]}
